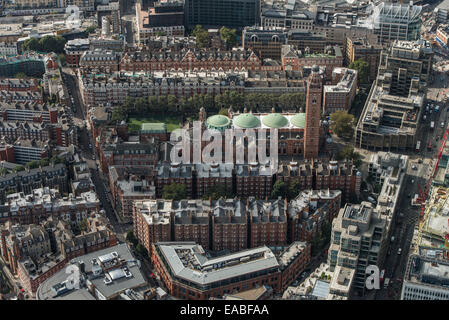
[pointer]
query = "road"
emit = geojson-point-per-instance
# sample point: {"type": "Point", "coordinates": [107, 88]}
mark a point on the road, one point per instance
{"type": "Point", "coordinates": [88, 153]}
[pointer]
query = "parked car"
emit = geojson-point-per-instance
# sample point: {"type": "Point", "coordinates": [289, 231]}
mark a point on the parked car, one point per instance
{"type": "Point", "coordinates": [399, 251]}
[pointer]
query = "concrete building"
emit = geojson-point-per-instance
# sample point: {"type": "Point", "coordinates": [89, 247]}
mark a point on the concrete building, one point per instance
{"type": "Point", "coordinates": [358, 239]}
{"type": "Point", "coordinates": [8, 49]}
{"type": "Point", "coordinates": [442, 12]}
{"type": "Point", "coordinates": [287, 14]}
{"type": "Point", "coordinates": [394, 21]}
{"type": "Point", "coordinates": [340, 95]}
{"type": "Point", "coordinates": [108, 274]}
{"type": "Point", "coordinates": [216, 13]}
{"type": "Point", "coordinates": [366, 49]}
{"type": "Point", "coordinates": [393, 108]}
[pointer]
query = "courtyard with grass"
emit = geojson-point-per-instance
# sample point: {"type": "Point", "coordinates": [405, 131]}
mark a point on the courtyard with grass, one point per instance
{"type": "Point", "coordinates": [135, 122]}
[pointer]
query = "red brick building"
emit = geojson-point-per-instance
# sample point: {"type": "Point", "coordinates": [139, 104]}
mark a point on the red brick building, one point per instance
{"type": "Point", "coordinates": [207, 278]}
{"type": "Point", "coordinates": [190, 60]}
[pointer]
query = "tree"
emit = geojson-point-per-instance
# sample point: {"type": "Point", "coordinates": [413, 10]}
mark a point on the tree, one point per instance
{"type": "Point", "coordinates": [350, 154]}
{"type": "Point", "coordinates": [279, 190]}
{"type": "Point", "coordinates": [118, 114]}
{"type": "Point", "coordinates": [362, 68]}
{"type": "Point", "coordinates": [141, 105]}
{"type": "Point", "coordinates": [52, 44]}
{"type": "Point", "coordinates": [91, 29]}
{"type": "Point", "coordinates": [223, 112]}
{"type": "Point", "coordinates": [20, 75]}
{"type": "Point", "coordinates": [228, 36]}
{"type": "Point", "coordinates": [128, 105]}
{"type": "Point", "coordinates": [342, 124]}
{"type": "Point", "coordinates": [161, 33]}
{"type": "Point", "coordinates": [61, 57]}
{"type": "Point", "coordinates": [141, 250]}
{"type": "Point", "coordinates": [171, 103]}
{"type": "Point", "coordinates": [294, 188]}
{"type": "Point", "coordinates": [31, 44]}
{"type": "Point", "coordinates": [216, 192]}
{"type": "Point", "coordinates": [202, 36]}
{"type": "Point", "coordinates": [174, 191]}
{"type": "Point", "coordinates": [83, 225]}
{"type": "Point", "coordinates": [131, 238]}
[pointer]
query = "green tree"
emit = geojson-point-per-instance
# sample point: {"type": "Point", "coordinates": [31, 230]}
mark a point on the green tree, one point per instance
{"type": "Point", "coordinates": [171, 103]}
{"type": "Point", "coordinates": [279, 190]}
{"type": "Point", "coordinates": [228, 36]}
{"type": "Point", "coordinates": [141, 250]}
{"type": "Point", "coordinates": [61, 57]}
{"type": "Point", "coordinates": [141, 105]}
{"type": "Point", "coordinates": [20, 75]}
{"type": "Point", "coordinates": [294, 188]}
{"type": "Point", "coordinates": [342, 124]}
{"type": "Point", "coordinates": [174, 191]}
{"type": "Point", "coordinates": [202, 36]}
{"type": "Point", "coordinates": [91, 29]}
{"type": "Point", "coordinates": [3, 171]}
{"type": "Point", "coordinates": [223, 112]}
{"type": "Point", "coordinates": [362, 68]}
{"type": "Point", "coordinates": [350, 154]}
{"type": "Point", "coordinates": [52, 44]}
{"type": "Point", "coordinates": [83, 225]}
{"type": "Point", "coordinates": [32, 164]}
{"type": "Point", "coordinates": [128, 105]}
{"type": "Point", "coordinates": [131, 238]}
{"type": "Point", "coordinates": [152, 105]}
{"type": "Point", "coordinates": [216, 192]}
{"type": "Point", "coordinates": [118, 114]}
{"type": "Point", "coordinates": [31, 44]}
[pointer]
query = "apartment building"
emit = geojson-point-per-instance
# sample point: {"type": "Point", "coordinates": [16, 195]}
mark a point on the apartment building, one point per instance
{"type": "Point", "coordinates": [54, 176]}
{"type": "Point", "coordinates": [8, 49]}
{"type": "Point", "coordinates": [45, 202]}
{"type": "Point", "coordinates": [74, 49]}
{"type": "Point", "coordinates": [32, 112]}
{"type": "Point", "coordinates": [189, 60]}
{"type": "Point", "coordinates": [209, 175]}
{"type": "Point", "coordinates": [358, 239]}
{"type": "Point", "coordinates": [294, 59]}
{"type": "Point", "coordinates": [151, 221]}
{"type": "Point", "coordinates": [98, 60]}
{"type": "Point", "coordinates": [22, 151]}
{"type": "Point", "coordinates": [309, 211]}
{"type": "Point", "coordinates": [265, 42]}
{"type": "Point", "coordinates": [253, 180]}
{"type": "Point", "coordinates": [267, 222]}
{"type": "Point", "coordinates": [130, 185]}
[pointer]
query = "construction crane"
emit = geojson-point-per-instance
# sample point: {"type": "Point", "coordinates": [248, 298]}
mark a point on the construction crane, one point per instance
{"type": "Point", "coordinates": [424, 193]}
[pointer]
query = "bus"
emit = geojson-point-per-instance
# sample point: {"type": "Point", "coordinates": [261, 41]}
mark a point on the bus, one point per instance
{"type": "Point", "coordinates": [429, 145]}
{"type": "Point", "coordinates": [418, 146]}
{"type": "Point", "coordinates": [381, 277]}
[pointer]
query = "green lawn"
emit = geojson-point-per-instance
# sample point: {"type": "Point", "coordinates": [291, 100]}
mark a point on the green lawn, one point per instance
{"type": "Point", "coordinates": [135, 123]}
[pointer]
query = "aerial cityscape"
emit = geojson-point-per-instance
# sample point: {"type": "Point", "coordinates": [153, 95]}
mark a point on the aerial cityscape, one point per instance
{"type": "Point", "coordinates": [224, 150]}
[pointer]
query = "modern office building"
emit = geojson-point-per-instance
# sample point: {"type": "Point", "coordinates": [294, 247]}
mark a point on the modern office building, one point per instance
{"type": "Point", "coordinates": [358, 239]}
{"type": "Point", "coordinates": [394, 105]}
{"type": "Point", "coordinates": [394, 21]}
{"type": "Point", "coordinates": [217, 13]}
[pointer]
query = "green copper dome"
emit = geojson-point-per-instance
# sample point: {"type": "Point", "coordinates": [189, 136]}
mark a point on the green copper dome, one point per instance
{"type": "Point", "coordinates": [299, 120]}
{"type": "Point", "coordinates": [246, 120]}
{"type": "Point", "coordinates": [218, 121]}
{"type": "Point", "coordinates": [275, 120]}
